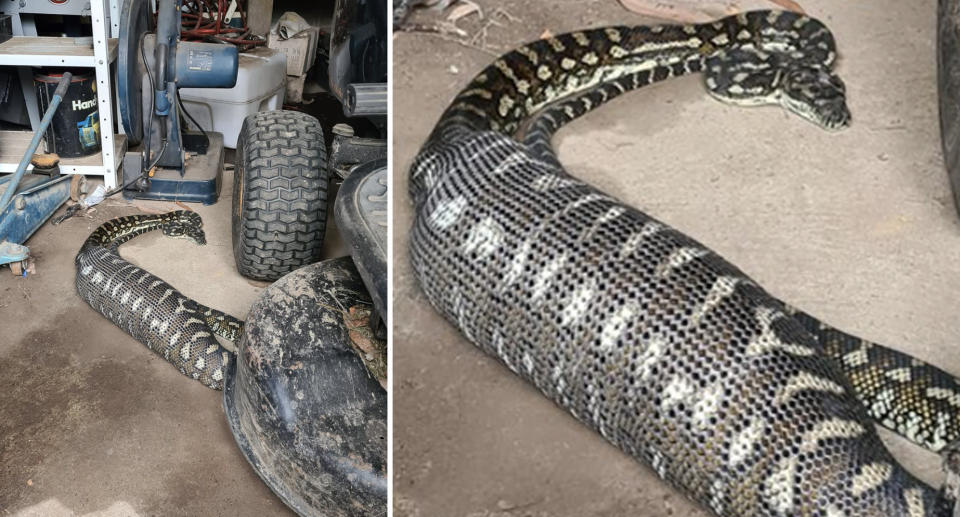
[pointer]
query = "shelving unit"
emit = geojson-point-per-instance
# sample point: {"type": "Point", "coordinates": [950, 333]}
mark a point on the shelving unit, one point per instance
{"type": "Point", "coordinates": [27, 50]}
{"type": "Point", "coordinates": [50, 51]}
{"type": "Point", "coordinates": [14, 143]}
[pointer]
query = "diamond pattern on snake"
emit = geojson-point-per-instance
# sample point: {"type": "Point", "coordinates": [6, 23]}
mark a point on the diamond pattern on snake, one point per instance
{"type": "Point", "coordinates": [152, 311]}
{"type": "Point", "coordinates": [745, 404]}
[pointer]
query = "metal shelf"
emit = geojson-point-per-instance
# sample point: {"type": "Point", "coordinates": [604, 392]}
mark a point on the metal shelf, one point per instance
{"type": "Point", "coordinates": [14, 143]}
{"type": "Point", "coordinates": [51, 51]}
{"type": "Point", "coordinates": [26, 50]}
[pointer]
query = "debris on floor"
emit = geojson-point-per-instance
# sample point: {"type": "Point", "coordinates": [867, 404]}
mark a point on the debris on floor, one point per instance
{"type": "Point", "coordinates": [676, 11]}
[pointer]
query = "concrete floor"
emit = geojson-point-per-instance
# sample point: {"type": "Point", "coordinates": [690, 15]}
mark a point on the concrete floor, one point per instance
{"type": "Point", "coordinates": [856, 227]}
{"type": "Point", "coordinates": [91, 421]}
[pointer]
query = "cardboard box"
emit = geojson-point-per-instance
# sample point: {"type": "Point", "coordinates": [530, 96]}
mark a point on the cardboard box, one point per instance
{"type": "Point", "coordinates": [301, 50]}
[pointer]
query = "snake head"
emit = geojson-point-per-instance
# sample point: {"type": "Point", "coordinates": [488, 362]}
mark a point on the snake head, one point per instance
{"type": "Point", "coordinates": [817, 94]}
{"type": "Point", "coordinates": [197, 236]}
{"type": "Point", "coordinates": [183, 231]}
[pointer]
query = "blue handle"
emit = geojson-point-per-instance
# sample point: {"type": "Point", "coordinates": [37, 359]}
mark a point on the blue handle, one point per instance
{"type": "Point", "coordinates": [62, 86]}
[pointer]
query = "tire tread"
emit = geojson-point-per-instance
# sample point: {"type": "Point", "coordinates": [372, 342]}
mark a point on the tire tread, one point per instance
{"type": "Point", "coordinates": [282, 165]}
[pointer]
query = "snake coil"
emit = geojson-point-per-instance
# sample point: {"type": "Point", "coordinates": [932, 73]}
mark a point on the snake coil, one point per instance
{"type": "Point", "coordinates": [152, 311]}
{"type": "Point", "coordinates": [747, 405]}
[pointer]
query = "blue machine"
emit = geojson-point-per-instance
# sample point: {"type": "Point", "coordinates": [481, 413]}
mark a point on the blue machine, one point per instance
{"type": "Point", "coordinates": [150, 69]}
{"type": "Point", "coordinates": [28, 200]}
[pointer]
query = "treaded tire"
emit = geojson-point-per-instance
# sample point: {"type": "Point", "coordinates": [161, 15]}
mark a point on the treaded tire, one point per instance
{"type": "Point", "coordinates": [279, 194]}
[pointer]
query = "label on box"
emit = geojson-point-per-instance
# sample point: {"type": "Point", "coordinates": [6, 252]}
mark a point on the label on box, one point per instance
{"type": "Point", "coordinates": [300, 50]}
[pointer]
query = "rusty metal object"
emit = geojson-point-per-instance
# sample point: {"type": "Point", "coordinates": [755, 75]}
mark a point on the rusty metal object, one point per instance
{"type": "Point", "coordinates": [371, 350]}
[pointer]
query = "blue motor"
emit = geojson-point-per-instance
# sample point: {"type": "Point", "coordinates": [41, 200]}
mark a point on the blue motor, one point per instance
{"type": "Point", "coordinates": [206, 65]}
{"type": "Point", "coordinates": [187, 64]}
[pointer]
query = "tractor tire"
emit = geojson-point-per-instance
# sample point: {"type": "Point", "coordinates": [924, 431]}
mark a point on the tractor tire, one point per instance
{"type": "Point", "coordinates": [279, 194]}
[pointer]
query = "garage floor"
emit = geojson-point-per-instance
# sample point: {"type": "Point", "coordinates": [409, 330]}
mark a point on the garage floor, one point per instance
{"type": "Point", "coordinates": [91, 421]}
{"type": "Point", "coordinates": [856, 227]}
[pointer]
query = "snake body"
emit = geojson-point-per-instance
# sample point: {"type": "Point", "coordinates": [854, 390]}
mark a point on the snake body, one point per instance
{"type": "Point", "coordinates": [746, 404]}
{"type": "Point", "coordinates": [172, 325]}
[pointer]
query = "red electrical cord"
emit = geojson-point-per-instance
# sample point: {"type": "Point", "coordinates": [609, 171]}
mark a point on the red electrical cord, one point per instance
{"type": "Point", "coordinates": [204, 20]}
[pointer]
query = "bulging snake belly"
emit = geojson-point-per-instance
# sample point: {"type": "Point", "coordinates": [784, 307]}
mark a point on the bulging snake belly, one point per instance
{"type": "Point", "coordinates": [673, 354]}
{"type": "Point", "coordinates": [152, 311]}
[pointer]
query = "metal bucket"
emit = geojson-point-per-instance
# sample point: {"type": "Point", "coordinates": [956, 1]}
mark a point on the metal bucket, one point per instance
{"type": "Point", "coordinates": [75, 128]}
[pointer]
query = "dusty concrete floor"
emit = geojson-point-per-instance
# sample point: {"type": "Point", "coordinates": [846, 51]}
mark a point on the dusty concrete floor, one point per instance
{"type": "Point", "coordinates": [856, 227]}
{"type": "Point", "coordinates": [91, 421]}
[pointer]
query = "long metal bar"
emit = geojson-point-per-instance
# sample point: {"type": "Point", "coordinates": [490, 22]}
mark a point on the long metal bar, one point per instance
{"type": "Point", "coordinates": [100, 22]}
{"type": "Point", "coordinates": [35, 141]}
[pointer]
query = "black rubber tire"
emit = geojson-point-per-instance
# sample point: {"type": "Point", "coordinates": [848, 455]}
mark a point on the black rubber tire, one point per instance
{"type": "Point", "coordinates": [279, 194]}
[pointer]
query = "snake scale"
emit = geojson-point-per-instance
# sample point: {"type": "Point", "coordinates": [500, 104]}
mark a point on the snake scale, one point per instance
{"type": "Point", "coordinates": [747, 405]}
{"type": "Point", "coordinates": [153, 312]}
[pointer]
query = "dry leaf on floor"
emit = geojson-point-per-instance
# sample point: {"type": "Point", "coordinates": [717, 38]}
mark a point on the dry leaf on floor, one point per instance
{"type": "Point", "coordinates": [462, 9]}
{"type": "Point", "coordinates": [700, 11]}
{"type": "Point", "coordinates": [436, 4]}
{"type": "Point", "coordinates": [450, 28]}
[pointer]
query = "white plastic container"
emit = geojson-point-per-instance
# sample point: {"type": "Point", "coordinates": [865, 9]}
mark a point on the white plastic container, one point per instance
{"type": "Point", "coordinates": [260, 87]}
